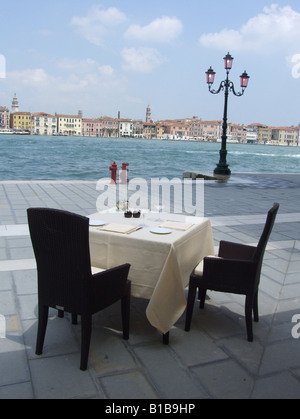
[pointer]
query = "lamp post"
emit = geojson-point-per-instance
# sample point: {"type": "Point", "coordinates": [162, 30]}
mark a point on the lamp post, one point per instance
{"type": "Point", "coordinates": [227, 86]}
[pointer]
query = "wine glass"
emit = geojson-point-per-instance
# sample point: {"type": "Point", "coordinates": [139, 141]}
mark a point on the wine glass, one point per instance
{"type": "Point", "coordinates": [143, 214]}
{"type": "Point", "coordinates": [160, 210]}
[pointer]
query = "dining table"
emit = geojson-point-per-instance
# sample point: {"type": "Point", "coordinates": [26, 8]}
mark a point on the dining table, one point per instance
{"type": "Point", "coordinates": [162, 249]}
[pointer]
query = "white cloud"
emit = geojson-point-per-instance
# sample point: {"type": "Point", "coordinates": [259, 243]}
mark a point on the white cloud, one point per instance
{"type": "Point", "coordinates": [31, 77]}
{"type": "Point", "coordinates": [86, 74]}
{"type": "Point", "coordinates": [97, 24]}
{"type": "Point", "coordinates": [276, 26]}
{"type": "Point", "coordinates": [76, 82]}
{"type": "Point", "coordinates": [79, 75]}
{"type": "Point", "coordinates": [86, 66]}
{"type": "Point", "coordinates": [78, 66]}
{"type": "Point", "coordinates": [141, 60]}
{"type": "Point", "coordinates": [161, 30]}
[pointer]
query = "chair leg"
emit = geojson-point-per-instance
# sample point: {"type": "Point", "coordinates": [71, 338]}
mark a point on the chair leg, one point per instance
{"type": "Point", "coordinates": [61, 314]}
{"type": "Point", "coordinates": [86, 332]}
{"type": "Point", "coordinates": [166, 338]}
{"type": "Point", "coordinates": [248, 314]}
{"type": "Point", "coordinates": [255, 308]}
{"type": "Point", "coordinates": [125, 306]}
{"type": "Point", "coordinates": [202, 297]}
{"type": "Point", "coordinates": [74, 319]}
{"type": "Point", "coordinates": [42, 326]}
{"type": "Point", "coordinates": [190, 305]}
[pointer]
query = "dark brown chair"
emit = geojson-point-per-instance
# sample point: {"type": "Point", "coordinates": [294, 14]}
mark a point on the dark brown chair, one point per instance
{"type": "Point", "coordinates": [65, 281]}
{"type": "Point", "coordinates": [236, 270]}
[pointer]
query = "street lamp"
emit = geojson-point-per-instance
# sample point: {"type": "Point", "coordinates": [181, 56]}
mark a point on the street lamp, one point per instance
{"type": "Point", "coordinates": [227, 86]}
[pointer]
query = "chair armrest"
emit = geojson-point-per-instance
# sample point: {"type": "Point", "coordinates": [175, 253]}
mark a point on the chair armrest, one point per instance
{"type": "Point", "coordinates": [115, 271]}
{"type": "Point", "coordinates": [229, 275]}
{"type": "Point", "coordinates": [110, 286]}
{"type": "Point", "coordinates": [230, 250]}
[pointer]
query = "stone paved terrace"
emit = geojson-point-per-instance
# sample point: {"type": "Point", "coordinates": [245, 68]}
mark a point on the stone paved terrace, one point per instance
{"type": "Point", "coordinates": [213, 361]}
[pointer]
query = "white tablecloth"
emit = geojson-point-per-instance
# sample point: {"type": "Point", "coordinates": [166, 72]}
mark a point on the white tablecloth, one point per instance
{"type": "Point", "coordinates": [160, 264]}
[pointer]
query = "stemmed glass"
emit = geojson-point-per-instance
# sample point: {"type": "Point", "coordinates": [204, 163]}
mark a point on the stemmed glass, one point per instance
{"type": "Point", "coordinates": [143, 217]}
{"type": "Point", "coordinates": [159, 209]}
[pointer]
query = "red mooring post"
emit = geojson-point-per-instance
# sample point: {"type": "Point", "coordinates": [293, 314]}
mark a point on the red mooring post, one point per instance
{"type": "Point", "coordinates": [123, 173]}
{"type": "Point", "coordinates": [113, 168]}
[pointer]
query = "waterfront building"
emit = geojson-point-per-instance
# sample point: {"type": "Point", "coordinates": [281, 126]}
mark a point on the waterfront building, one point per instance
{"type": "Point", "coordinates": [159, 131]}
{"type": "Point", "coordinates": [211, 130]}
{"type": "Point", "coordinates": [92, 127]}
{"type": "Point", "coordinates": [251, 136]}
{"type": "Point", "coordinates": [69, 125]}
{"type": "Point", "coordinates": [264, 133]}
{"type": "Point", "coordinates": [4, 117]}
{"type": "Point", "coordinates": [44, 124]}
{"type": "Point", "coordinates": [176, 131]}
{"type": "Point", "coordinates": [110, 127]}
{"type": "Point", "coordinates": [240, 134]}
{"type": "Point", "coordinates": [138, 128]}
{"type": "Point", "coordinates": [286, 136]}
{"type": "Point", "coordinates": [126, 128]}
{"type": "Point", "coordinates": [195, 130]}
{"type": "Point", "coordinates": [149, 130]}
{"type": "Point", "coordinates": [21, 121]}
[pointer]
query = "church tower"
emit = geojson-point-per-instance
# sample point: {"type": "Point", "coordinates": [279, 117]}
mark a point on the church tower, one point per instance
{"type": "Point", "coordinates": [15, 104]}
{"type": "Point", "coordinates": [148, 114]}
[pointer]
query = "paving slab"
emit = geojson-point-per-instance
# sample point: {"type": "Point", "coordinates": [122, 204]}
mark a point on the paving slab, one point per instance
{"type": "Point", "coordinates": [213, 361]}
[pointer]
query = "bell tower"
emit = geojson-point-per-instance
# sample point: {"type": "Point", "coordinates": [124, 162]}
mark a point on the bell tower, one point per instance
{"type": "Point", "coordinates": [15, 104]}
{"type": "Point", "coordinates": [148, 114]}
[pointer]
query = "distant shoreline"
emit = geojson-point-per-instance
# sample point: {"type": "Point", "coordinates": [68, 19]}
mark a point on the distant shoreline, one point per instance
{"type": "Point", "coordinates": [143, 139]}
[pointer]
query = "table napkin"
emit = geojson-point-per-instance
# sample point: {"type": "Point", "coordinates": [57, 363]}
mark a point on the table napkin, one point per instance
{"type": "Point", "coordinates": [118, 228]}
{"type": "Point", "coordinates": [175, 225]}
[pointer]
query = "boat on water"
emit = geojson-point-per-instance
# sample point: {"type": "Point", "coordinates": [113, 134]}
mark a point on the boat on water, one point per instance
{"type": "Point", "coordinates": [230, 140]}
{"type": "Point", "coordinates": [7, 131]}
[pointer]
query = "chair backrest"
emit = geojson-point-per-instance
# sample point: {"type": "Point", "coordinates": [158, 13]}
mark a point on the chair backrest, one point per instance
{"type": "Point", "coordinates": [61, 245]}
{"type": "Point", "coordinates": [262, 244]}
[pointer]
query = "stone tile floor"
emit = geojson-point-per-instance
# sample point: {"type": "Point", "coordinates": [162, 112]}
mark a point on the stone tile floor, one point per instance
{"type": "Point", "coordinates": [213, 361]}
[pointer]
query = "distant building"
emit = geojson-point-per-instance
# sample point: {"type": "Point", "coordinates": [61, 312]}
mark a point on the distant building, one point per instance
{"type": "Point", "coordinates": [69, 125]}
{"type": "Point", "coordinates": [195, 130]}
{"type": "Point", "coordinates": [44, 124]}
{"type": "Point", "coordinates": [238, 133]}
{"type": "Point", "coordinates": [159, 131]}
{"type": "Point", "coordinates": [264, 133]}
{"type": "Point", "coordinates": [21, 121]}
{"type": "Point", "coordinates": [251, 136]}
{"type": "Point", "coordinates": [15, 104]}
{"type": "Point", "coordinates": [175, 130]}
{"type": "Point", "coordinates": [286, 136]}
{"type": "Point", "coordinates": [92, 127]}
{"type": "Point", "coordinates": [149, 130]}
{"type": "Point", "coordinates": [110, 127]}
{"type": "Point", "coordinates": [4, 117]}
{"type": "Point", "coordinates": [138, 128]}
{"type": "Point", "coordinates": [211, 130]}
{"type": "Point", "coordinates": [148, 114]}
{"type": "Point", "coordinates": [126, 127]}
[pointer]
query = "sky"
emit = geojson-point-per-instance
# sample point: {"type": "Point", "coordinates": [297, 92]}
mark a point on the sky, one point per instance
{"type": "Point", "coordinates": [107, 56]}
